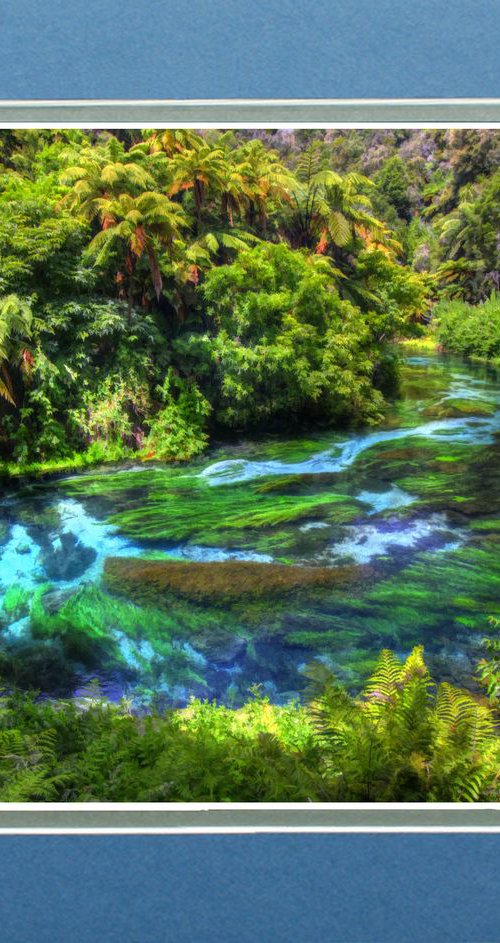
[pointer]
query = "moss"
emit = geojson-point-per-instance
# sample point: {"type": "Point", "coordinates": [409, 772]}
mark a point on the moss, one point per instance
{"type": "Point", "coordinates": [222, 581]}
{"type": "Point", "coordinates": [453, 408]}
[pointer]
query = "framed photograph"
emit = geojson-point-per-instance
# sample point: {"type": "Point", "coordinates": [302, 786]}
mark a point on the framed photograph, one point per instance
{"type": "Point", "coordinates": [249, 434]}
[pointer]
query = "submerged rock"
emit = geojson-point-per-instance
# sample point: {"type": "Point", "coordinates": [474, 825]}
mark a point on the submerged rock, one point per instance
{"type": "Point", "coordinates": [67, 559]}
{"type": "Point", "coordinates": [156, 580]}
{"type": "Point", "coordinates": [227, 651]}
{"type": "Point", "coordinates": [54, 600]}
{"type": "Point", "coordinates": [4, 533]}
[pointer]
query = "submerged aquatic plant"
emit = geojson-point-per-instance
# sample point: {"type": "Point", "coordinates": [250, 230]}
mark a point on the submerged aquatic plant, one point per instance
{"type": "Point", "coordinates": [16, 601]}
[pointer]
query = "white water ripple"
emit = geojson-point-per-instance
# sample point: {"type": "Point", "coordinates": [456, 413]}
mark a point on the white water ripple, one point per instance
{"type": "Point", "coordinates": [473, 429]}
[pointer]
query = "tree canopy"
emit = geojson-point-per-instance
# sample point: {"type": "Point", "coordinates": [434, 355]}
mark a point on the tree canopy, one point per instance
{"type": "Point", "coordinates": [265, 273]}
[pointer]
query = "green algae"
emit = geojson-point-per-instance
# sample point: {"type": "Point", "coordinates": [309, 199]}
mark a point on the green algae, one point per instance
{"type": "Point", "coordinates": [229, 581]}
{"type": "Point", "coordinates": [359, 666]}
{"type": "Point", "coordinates": [328, 640]}
{"type": "Point", "coordinates": [429, 597]}
{"type": "Point", "coordinates": [157, 633]}
{"type": "Point", "coordinates": [453, 408]}
{"type": "Point", "coordinates": [96, 613]}
{"type": "Point", "coordinates": [16, 602]}
{"type": "Point", "coordinates": [48, 518]}
{"type": "Point", "coordinates": [486, 525]}
{"type": "Point", "coordinates": [95, 629]}
{"type": "Point", "coordinates": [206, 514]}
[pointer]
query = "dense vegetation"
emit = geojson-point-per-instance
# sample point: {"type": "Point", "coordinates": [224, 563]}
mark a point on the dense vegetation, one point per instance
{"type": "Point", "coordinates": [162, 290]}
{"type": "Point", "coordinates": [470, 330]}
{"type": "Point", "coordinates": [157, 288]}
{"type": "Point", "coordinates": [402, 740]}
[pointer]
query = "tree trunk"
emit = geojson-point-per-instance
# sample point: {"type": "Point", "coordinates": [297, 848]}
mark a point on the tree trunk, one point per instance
{"type": "Point", "coordinates": [155, 274]}
{"type": "Point", "coordinates": [130, 266]}
{"type": "Point", "coordinates": [130, 301]}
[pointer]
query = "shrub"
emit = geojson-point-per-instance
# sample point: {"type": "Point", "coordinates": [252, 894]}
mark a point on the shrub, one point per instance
{"type": "Point", "coordinates": [401, 740]}
{"type": "Point", "coordinates": [286, 345]}
{"type": "Point", "coordinates": [470, 329]}
{"type": "Point", "coordinates": [177, 432]}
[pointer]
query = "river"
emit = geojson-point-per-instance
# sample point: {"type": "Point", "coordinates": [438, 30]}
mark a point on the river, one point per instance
{"type": "Point", "coordinates": [164, 582]}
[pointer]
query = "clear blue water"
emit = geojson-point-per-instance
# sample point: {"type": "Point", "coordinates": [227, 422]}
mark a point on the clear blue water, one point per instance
{"type": "Point", "coordinates": [414, 504]}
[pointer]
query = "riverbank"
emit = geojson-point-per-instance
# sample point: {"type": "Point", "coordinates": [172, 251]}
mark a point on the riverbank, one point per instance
{"type": "Point", "coordinates": [98, 456]}
{"type": "Point", "coordinates": [204, 578]}
{"type": "Point", "coordinates": [80, 462]}
{"type": "Point", "coordinates": [402, 741]}
{"type": "Point", "coordinates": [429, 344]}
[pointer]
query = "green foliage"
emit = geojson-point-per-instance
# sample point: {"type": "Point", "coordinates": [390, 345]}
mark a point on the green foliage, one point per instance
{"type": "Point", "coordinates": [470, 329]}
{"type": "Point", "coordinates": [405, 741]}
{"type": "Point", "coordinates": [114, 410]}
{"type": "Point", "coordinates": [402, 740]}
{"type": "Point", "coordinates": [161, 288]}
{"type": "Point", "coordinates": [286, 345]}
{"type": "Point", "coordinates": [89, 383]}
{"type": "Point", "coordinates": [392, 182]}
{"type": "Point", "coordinates": [177, 431]}
{"type": "Point", "coordinates": [15, 331]}
{"type": "Point", "coordinates": [489, 667]}
{"type": "Point", "coordinates": [266, 272]}
{"type": "Point", "coordinates": [470, 233]}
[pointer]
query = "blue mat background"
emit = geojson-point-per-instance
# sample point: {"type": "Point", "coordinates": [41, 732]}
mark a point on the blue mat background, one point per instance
{"type": "Point", "coordinates": [241, 889]}
{"type": "Point", "coordinates": [248, 48]}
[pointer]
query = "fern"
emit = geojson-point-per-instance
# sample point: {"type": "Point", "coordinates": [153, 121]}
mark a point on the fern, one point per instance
{"type": "Point", "coordinates": [403, 739]}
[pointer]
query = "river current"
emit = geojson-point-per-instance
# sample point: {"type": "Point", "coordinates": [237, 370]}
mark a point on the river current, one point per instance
{"type": "Point", "coordinates": [242, 568]}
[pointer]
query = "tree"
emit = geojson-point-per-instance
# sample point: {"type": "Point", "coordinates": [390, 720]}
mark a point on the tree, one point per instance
{"type": "Point", "coordinates": [392, 181]}
{"type": "Point", "coordinates": [141, 225]}
{"type": "Point", "coordinates": [328, 210]}
{"type": "Point", "coordinates": [285, 345]}
{"type": "Point", "coordinates": [170, 141]}
{"type": "Point", "coordinates": [470, 234]}
{"type": "Point", "coordinates": [102, 173]}
{"type": "Point", "coordinates": [15, 331]}
{"type": "Point", "coordinates": [268, 183]}
{"type": "Point", "coordinates": [201, 168]}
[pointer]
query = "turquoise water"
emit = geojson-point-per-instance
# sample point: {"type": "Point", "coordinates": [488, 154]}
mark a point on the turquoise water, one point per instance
{"type": "Point", "coordinates": [243, 567]}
